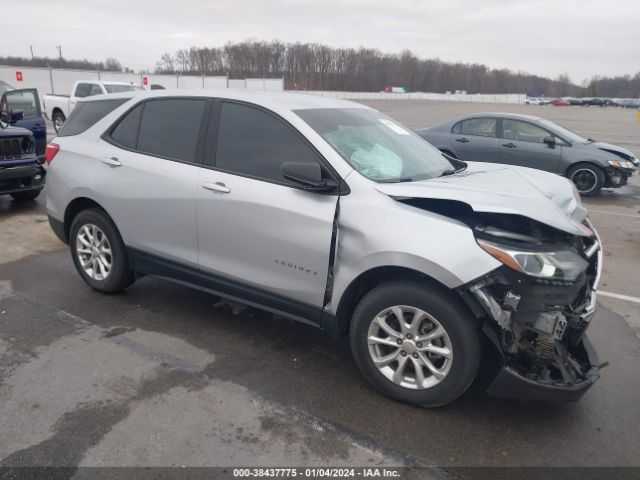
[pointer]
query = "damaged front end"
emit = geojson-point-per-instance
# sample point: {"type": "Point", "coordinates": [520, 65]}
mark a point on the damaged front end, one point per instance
{"type": "Point", "coordinates": [537, 307]}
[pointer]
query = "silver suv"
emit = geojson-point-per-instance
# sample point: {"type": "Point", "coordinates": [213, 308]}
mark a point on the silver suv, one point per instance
{"type": "Point", "coordinates": [331, 213]}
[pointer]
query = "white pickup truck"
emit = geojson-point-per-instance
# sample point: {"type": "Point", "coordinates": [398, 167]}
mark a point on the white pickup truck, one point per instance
{"type": "Point", "coordinates": [58, 107]}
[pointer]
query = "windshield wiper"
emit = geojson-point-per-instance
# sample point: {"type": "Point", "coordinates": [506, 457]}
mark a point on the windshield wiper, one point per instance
{"type": "Point", "coordinates": [399, 180]}
{"type": "Point", "coordinates": [447, 172]}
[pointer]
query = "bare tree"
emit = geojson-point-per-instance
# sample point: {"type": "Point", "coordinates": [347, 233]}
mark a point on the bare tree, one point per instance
{"type": "Point", "coordinates": [314, 66]}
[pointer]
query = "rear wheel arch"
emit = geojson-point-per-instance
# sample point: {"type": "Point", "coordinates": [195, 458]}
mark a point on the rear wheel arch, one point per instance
{"type": "Point", "coordinates": [374, 277]}
{"type": "Point", "coordinates": [78, 205]}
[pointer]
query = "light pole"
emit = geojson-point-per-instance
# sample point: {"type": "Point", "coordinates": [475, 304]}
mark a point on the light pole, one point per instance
{"type": "Point", "coordinates": [59, 47]}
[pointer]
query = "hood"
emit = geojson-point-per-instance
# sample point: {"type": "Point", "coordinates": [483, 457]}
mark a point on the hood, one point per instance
{"type": "Point", "coordinates": [12, 131]}
{"type": "Point", "coordinates": [493, 188]}
{"type": "Point", "coordinates": [614, 149]}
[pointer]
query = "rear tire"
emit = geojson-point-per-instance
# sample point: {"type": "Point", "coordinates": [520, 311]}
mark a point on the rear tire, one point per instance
{"type": "Point", "coordinates": [26, 196]}
{"type": "Point", "coordinates": [587, 178]}
{"type": "Point", "coordinates": [58, 120]}
{"type": "Point", "coordinates": [98, 252]}
{"type": "Point", "coordinates": [443, 325]}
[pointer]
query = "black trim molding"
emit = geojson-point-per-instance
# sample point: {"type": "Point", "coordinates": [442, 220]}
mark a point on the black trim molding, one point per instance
{"type": "Point", "coordinates": [147, 263]}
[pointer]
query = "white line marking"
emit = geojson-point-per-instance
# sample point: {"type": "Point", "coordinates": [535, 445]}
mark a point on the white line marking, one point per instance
{"type": "Point", "coordinates": [631, 215]}
{"type": "Point", "coordinates": [619, 297]}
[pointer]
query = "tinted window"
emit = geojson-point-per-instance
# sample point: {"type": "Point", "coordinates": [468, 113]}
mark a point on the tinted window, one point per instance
{"type": "Point", "coordinates": [479, 127]}
{"type": "Point", "coordinates": [255, 143]}
{"type": "Point", "coordinates": [170, 127]}
{"type": "Point", "coordinates": [82, 90]}
{"type": "Point", "coordinates": [86, 114]}
{"type": "Point", "coordinates": [523, 131]}
{"type": "Point", "coordinates": [126, 132]}
{"type": "Point", "coordinates": [95, 90]}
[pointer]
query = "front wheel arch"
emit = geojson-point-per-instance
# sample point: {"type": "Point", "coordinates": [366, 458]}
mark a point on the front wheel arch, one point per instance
{"type": "Point", "coordinates": [372, 278]}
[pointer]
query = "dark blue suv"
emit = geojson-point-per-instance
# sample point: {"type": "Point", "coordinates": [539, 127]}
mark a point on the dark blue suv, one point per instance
{"type": "Point", "coordinates": [21, 173]}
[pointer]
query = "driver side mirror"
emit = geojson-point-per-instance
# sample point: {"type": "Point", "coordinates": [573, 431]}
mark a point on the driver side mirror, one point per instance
{"type": "Point", "coordinates": [550, 141]}
{"type": "Point", "coordinates": [308, 175]}
{"type": "Point", "coordinates": [16, 116]}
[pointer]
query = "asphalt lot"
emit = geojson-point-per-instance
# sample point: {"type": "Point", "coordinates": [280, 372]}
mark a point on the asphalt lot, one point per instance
{"type": "Point", "coordinates": [162, 375]}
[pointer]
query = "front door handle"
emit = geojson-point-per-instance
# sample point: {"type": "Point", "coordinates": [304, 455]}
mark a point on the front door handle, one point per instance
{"type": "Point", "coordinates": [462, 140]}
{"type": "Point", "coordinates": [509, 145]}
{"type": "Point", "coordinates": [216, 187]}
{"type": "Point", "coordinates": [112, 161]}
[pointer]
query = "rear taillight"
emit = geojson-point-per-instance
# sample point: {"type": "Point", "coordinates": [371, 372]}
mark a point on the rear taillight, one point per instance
{"type": "Point", "coordinates": [50, 152]}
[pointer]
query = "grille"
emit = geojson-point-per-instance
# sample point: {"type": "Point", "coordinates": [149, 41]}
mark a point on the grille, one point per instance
{"type": "Point", "coordinates": [10, 148]}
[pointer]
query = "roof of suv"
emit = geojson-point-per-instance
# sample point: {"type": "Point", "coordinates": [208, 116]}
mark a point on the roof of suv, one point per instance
{"type": "Point", "coordinates": [500, 115]}
{"type": "Point", "coordinates": [289, 101]}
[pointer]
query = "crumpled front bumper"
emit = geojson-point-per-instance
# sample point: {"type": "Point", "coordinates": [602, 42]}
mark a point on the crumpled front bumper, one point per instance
{"type": "Point", "coordinates": [549, 361]}
{"type": "Point", "coordinates": [511, 385]}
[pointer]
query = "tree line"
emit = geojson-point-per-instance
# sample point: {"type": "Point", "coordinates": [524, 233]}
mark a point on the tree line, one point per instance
{"type": "Point", "coordinates": [109, 65]}
{"type": "Point", "coordinates": [313, 66]}
{"type": "Point", "coordinates": [625, 86]}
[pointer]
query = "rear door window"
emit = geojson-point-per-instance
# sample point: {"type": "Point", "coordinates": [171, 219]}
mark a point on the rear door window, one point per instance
{"type": "Point", "coordinates": [87, 114]}
{"type": "Point", "coordinates": [478, 127]}
{"type": "Point", "coordinates": [170, 128]}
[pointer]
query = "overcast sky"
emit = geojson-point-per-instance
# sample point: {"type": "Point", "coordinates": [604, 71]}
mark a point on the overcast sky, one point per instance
{"type": "Point", "coordinates": [546, 37]}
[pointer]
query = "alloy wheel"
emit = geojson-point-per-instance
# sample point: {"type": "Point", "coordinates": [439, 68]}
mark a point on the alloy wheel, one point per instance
{"type": "Point", "coordinates": [410, 347]}
{"type": "Point", "coordinates": [584, 179]}
{"type": "Point", "coordinates": [94, 251]}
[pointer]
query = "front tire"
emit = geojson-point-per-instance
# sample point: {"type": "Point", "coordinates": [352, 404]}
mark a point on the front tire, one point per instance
{"type": "Point", "coordinates": [26, 196]}
{"type": "Point", "coordinates": [98, 252]}
{"type": "Point", "coordinates": [415, 343]}
{"type": "Point", "coordinates": [587, 178]}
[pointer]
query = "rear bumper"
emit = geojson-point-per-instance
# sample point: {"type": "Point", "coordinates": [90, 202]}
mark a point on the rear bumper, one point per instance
{"type": "Point", "coordinates": [21, 179]}
{"type": "Point", "coordinates": [510, 384]}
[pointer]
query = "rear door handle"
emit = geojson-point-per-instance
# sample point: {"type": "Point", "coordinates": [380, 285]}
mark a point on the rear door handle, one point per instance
{"type": "Point", "coordinates": [112, 161]}
{"type": "Point", "coordinates": [509, 145]}
{"type": "Point", "coordinates": [462, 140]}
{"type": "Point", "coordinates": [216, 187]}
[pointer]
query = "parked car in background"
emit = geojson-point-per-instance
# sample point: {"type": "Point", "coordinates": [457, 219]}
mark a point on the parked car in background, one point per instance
{"type": "Point", "coordinates": [270, 198]}
{"type": "Point", "coordinates": [630, 103]}
{"type": "Point", "coordinates": [58, 107]}
{"type": "Point", "coordinates": [559, 102]}
{"type": "Point", "coordinates": [534, 101]}
{"type": "Point", "coordinates": [597, 102]}
{"type": "Point", "coordinates": [21, 174]}
{"type": "Point", "coordinates": [27, 101]}
{"type": "Point", "coordinates": [574, 101]}
{"type": "Point", "coordinates": [535, 143]}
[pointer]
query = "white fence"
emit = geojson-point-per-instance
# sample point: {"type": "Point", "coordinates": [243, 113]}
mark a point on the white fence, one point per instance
{"type": "Point", "coordinates": [452, 97]}
{"type": "Point", "coordinates": [60, 81]}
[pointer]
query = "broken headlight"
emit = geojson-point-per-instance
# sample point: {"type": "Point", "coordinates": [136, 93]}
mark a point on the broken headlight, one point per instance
{"type": "Point", "coordinates": [551, 265]}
